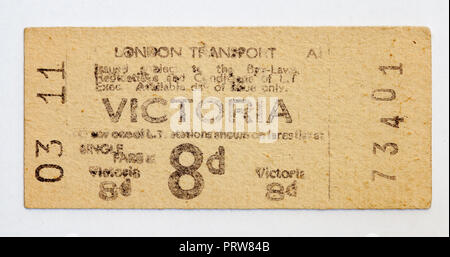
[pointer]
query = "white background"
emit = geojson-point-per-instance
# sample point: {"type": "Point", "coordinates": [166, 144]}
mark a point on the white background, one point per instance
{"type": "Point", "coordinates": [16, 220]}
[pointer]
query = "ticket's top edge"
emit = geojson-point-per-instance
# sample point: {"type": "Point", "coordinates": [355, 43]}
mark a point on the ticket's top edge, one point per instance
{"type": "Point", "coordinates": [425, 28]}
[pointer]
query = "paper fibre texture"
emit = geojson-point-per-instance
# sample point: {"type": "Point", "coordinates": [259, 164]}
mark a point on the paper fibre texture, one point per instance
{"type": "Point", "coordinates": [233, 117]}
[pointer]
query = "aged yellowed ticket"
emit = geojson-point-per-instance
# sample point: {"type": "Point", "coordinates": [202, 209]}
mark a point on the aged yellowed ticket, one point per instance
{"type": "Point", "coordinates": [246, 118]}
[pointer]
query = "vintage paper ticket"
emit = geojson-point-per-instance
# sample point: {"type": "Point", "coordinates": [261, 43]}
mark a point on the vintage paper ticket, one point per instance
{"type": "Point", "coordinates": [246, 118]}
